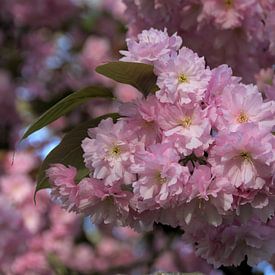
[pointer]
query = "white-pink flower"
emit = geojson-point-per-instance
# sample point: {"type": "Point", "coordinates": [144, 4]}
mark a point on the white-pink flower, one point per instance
{"type": "Point", "coordinates": [64, 187]}
{"type": "Point", "coordinates": [187, 127]}
{"type": "Point", "coordinates": [182, 77]}
{"type": "Point", "coordinates": [245, 157]}
{"type": "Point", "coordinates": [108, 204]}
{"type": "Point", "coordinates": [242, 104]}
{"type": "Point", "coordinates": [161, 178]}
{"type": "Point", "coordinates": [151, 45]}
{"type": "Point", "coordinates": [141, 116]}
{"type": "Point", "coordinates": [208, 197]}
{"type": "Point", "coordinates": [229, 244]}
{"type": "Point", "coordinates": [227, 14]}
{"type": "Point", "coordinates": [109, 150]}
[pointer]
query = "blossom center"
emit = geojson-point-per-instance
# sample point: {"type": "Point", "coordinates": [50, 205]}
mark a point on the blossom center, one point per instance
{"type": "Point", "coordinates": [115, 151]}
{"type": "Point", "coordinates": [186, 122]}
{"type": "Point", "coordinates": [228, 3]}
{"type": "Point", "coordinates": [182, 78]}
{"type": "Point", "coordinates": [160, 179]}
{"type": "Point", "coordinates": [245, 156]}
{"type": "Point", "coordinates": [242, 118]}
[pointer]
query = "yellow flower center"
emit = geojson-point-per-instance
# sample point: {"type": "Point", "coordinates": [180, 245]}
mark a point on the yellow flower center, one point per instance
{"type": "Point", "coordinates": [115, 151]}
{"type": "Point", "coordinates": [242, 118]}
{"type": "Point", "coordinates": [186, 122]}
{"type": "Point", "coordinates": [160, 179]}
{"type": "Point", "coordinates": [245, 155]}
{"type": "Point", "coordinates": [182, 78]}
{"type": "Point", "coordinates": [228, 3]}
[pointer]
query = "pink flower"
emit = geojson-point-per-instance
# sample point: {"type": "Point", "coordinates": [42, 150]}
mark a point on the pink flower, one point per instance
{"type": "Point", "coordinates": [151, 45]}
{"type": "Point", "coordinates": [18, 188]}
{"type": "Point", "coordinates": [95, 44]}
{"type": "Point", "coordinates": [187, 127]}
{"type": "Point", "coordinates": [64, 187]}
{"type": "Point", "coordinates": [103, 203]}
{"type": "Point", "coordinates": [221, 77]}
{"type": "Point", "coordinates": [109, 150]}
{"type": "Point", "coordinates": [32, 262]}
{"type": "Point", "coordinates": [245, 157]}
{"type": "Point", "coordinates": [142, 117]}
{"type": "Point", "coordinates": [229, 244]}
{"type": "Point", "coordinates": [182, 77]}
{"type": "Point", "coordinates": [161, 178]}
{"type": "Point", "coordinates": [227, 14]}
{"type": "Point", "coordinates": [242, 104]}
{"type": "Point", "coordinates": [208, 197]}
{"type": "Point", "coordinates": [20, 162]}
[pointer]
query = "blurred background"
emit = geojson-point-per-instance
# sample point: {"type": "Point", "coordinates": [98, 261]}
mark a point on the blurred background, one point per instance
{"type": "Point", "coordinates": [48, 49]}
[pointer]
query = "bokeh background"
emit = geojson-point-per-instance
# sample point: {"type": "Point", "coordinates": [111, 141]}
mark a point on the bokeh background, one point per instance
{"type": "Point", "coordinates": [48, 49]}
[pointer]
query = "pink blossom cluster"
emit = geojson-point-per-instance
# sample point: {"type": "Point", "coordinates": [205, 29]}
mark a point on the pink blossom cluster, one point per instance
{"type": "Point", "coordinates": [239, 33]}
{"type": "Point", "coordinates": [41, 238]}
{"type": "Point", "coordinates": [199, 154]}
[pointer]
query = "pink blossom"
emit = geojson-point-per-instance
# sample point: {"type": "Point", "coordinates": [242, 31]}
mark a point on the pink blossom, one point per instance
{"type": "Point", "coordinates": [20, 162]}
{"type": "Point", "coordinates": [229, 244]}
{"type": "Point", "coordinates": [242, 104]}
{"type": "Point", "coordinates": [103, 203]}
{"type": "Point", "coordinates": [109, 151]}
{"type": "Point", "coordinates": [13, 233]}
{"type": "Point", "coordinates": [126, 93]}
{"type": "Point", "coordinates": [208, 196]}
{"type": "Point", "coordinates": [31, 263]}
{"type": "Point", "coordinates": [64, 186]}
{"type": "Point", "coordinates": [227, 14]}
{"type": "Point", "coordinates": [182, 77]}
{"type": "Point", "coordinates": [17, 188]}
{"type": "Point", "coordinates": [186, 126]}
{"type": "Point", "coordinates": [95, 44]}
{"type": "Point", "coordinates": [160, 178]}
{"type": "Point", "coordinates": [151, 45]}
{"type": "Point", "coordinates": [142, 116]}
{"type": "Point", "coordinates": [245, 157]}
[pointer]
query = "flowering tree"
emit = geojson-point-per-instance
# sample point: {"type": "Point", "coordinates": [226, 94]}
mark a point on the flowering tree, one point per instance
{"type": "Point", "coordinates": [196, 152]}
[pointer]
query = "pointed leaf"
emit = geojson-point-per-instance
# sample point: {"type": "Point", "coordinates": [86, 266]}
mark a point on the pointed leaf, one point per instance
{"type": "Point", "coordinates": [139, 75]}
{"type": "Point", "coordinates": [69, 152]}
{"type": "Point", "coordinates": [66, 105]}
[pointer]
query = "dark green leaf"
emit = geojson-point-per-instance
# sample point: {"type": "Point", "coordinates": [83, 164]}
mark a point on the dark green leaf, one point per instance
{"type": "Point", "coordinates": [66, 105]}
{"type": "Point", "coordinates": [139, 75]}
{"type": "Point", "coordinates": [69, 152]}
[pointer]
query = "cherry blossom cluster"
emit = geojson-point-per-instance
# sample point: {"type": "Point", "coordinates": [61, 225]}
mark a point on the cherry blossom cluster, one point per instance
{"type": "Point", "coordinates": [199, 154]}
{"type": "Point", "coordinates": [36, 238]}
{"type": "Point", "coordinates": [31, 234]}
{"type": "Point", "coordinates": [240, 33]}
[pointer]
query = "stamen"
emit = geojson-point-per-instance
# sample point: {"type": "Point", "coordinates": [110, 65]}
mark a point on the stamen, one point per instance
{"type": "Point", "coordinates": [245, 155]}
{"type": "Point", "coordinates": [160, 179]}
{"type": "Point", "coordinates": [186, 122]}
{"type": "Point", "coordinates": [228, 3]}
{"type": "Point", "coordinates": [242, 118]}
{"type": "Point", "coordinates": [115, 151]}
{"type": "Point", "coordinates": [182, 78]}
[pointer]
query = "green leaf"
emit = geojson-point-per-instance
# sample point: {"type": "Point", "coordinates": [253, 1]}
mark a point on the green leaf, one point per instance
{"type": "Point", "coordinates": [139, 75]}
{"type": "Point", "coordinates": [69, 152]}
{"type": "Point", "coordinates": [66, 105]}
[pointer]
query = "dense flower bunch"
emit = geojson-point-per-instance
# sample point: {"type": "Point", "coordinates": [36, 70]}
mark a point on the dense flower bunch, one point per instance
{"type": "Point", "coordinates": [39, 239]}
{"type": "Point", "coordinates": [239, 33]}
{"type": "Point", "coordinates": [199, 154]}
